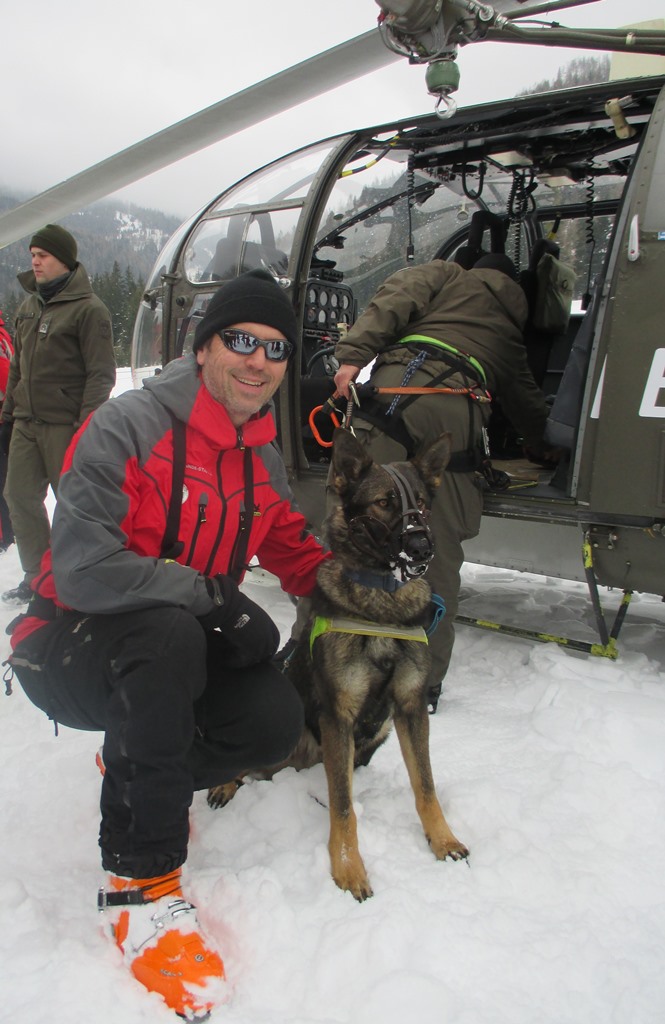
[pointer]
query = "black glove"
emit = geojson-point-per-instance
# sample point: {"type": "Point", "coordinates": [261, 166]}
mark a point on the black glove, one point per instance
{"type": "Point", "coordinates": [6, 428]}
{"type": "Point", "coordinates": [249, 631]}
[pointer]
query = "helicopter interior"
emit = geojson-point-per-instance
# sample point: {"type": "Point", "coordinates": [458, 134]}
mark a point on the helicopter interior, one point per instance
{"type": "Point", "coordinates": [540, 180]}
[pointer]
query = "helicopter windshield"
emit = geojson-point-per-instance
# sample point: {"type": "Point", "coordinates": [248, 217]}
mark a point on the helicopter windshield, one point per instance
{"type": "Point", "coordinates": [383, 215]}
{"type": "Point", "coordinates": [288, 178]}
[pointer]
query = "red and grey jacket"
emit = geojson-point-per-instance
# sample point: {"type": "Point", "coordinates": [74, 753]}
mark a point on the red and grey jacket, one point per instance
{"type": "Point", "coordinates": [6, 353]}
{"type": "Point", "coordinates": [114, 495]}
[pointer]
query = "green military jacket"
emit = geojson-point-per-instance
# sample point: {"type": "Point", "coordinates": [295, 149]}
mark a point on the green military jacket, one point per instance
{"type": "Point", "coordinates": [64, 365]}
{"type": "Point", "coordinates": [479, 312]}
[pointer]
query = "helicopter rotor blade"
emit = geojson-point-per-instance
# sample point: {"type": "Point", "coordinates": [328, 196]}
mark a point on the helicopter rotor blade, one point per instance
{"type": "Point", "coordinates": [527, 9]}
{"type": "Point", "coordinates": [327, 70]}
{"type": "Point", "coordinates": [623, 40]}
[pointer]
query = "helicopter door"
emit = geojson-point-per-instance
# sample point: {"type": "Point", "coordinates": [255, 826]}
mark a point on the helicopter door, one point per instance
{"type": "Point", "coordinates": [621, 453]}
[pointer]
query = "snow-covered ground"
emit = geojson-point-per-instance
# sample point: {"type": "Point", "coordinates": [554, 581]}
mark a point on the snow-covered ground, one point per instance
{"type": "Point", "coordinates": [550, 766]}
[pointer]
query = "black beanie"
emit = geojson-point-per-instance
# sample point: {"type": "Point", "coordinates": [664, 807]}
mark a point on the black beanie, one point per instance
{"type": "Point", "coordinates": [58, 242]}
{"type": "Point", "coordinates": [497, 261]}
{"type": "Point", "coordinates": [253, 298]}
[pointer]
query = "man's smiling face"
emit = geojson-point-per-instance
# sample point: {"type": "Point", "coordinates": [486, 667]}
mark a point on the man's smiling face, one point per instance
{"type": "Point", "coordinates": [242, 384]}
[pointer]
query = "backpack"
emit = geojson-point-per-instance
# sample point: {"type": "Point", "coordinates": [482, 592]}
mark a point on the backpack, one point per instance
{"type": "Point", "coordinates": [555, 282]}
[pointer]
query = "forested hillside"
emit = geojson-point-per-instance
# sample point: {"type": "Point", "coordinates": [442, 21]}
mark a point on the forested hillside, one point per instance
{"type": "Point", "coordinates": [118, 245]}
{"type": "Point", "coordinates": [579, 71]}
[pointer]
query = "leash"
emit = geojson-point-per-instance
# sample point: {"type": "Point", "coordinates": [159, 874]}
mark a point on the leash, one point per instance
{"type": "Point", "coordinates": [484, 396]}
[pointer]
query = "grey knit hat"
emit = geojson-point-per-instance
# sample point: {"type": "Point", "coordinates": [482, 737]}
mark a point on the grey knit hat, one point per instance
{"type": "Point", "coordinates": [254, 297]}
{"type": "Point", "coordinates": [58, 242]}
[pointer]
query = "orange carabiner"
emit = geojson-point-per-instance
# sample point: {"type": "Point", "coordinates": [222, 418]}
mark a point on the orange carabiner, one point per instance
{"type": "Point", "coordinates": [312, 417]}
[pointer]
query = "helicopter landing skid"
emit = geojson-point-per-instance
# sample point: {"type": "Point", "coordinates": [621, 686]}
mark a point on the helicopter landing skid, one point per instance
{"type": "Point", "coordinates": [606, 648]}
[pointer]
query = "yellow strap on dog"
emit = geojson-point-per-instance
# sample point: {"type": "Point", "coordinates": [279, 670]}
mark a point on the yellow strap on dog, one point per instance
{"type": "Point", "coordinates": [359, 627]}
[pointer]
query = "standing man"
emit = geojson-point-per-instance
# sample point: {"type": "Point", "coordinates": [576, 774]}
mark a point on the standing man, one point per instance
{"type": "Point", "coordinates": [63, 369]}
{"type": "Point", "coordinates": [441, 326]}
{"type": "Point", "coordinates": [165, 497]}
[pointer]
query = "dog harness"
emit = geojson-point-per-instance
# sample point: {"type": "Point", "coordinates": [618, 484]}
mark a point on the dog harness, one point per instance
{"type": "Point", "coordinates": [359, 627]}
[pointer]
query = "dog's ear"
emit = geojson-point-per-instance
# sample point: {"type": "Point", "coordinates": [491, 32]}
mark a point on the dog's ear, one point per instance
{"type": "Point", "coordinates": [350, 460]}
{"type": "Point", "coordinates": [431, 462]}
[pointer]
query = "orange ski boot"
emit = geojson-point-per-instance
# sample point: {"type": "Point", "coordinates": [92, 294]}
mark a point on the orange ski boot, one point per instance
{"type": "Point", "coordinates": [158, 933]}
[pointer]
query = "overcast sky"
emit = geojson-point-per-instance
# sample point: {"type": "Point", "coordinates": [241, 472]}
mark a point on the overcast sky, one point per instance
{"type": "Point", "coordinates": [81, 82]}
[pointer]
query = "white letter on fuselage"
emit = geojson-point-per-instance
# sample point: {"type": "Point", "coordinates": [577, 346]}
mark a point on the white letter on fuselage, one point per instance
{"type": "Point", "coordinates": [654, 385]}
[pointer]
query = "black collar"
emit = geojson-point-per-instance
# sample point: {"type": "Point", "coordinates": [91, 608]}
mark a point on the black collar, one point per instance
{"type": "Point", "coordinates": [374, 579]}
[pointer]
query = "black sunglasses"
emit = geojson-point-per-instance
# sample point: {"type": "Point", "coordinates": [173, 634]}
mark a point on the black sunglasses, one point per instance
{"type": "Point", "coordinates": [244, 343]}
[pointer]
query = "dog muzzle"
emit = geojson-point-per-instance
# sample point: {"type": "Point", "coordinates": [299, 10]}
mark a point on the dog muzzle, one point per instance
{"type": "Point", "coordinates": [409, 544]}
{"type": "Point", "coordinates": [414, 538]}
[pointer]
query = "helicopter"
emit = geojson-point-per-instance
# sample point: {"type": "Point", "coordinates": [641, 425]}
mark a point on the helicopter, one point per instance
{"type": "Point", "coordinates": [572, 178]}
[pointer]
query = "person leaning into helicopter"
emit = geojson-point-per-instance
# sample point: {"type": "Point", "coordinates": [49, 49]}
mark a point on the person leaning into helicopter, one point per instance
{"type": "Point", "coordinates": [165, 497]}
{"type": "Point", "coordinates": [438, 324]}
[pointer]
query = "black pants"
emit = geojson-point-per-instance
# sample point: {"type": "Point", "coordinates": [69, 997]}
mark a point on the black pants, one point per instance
{"type": "Point", "coordinates": [176, 719]}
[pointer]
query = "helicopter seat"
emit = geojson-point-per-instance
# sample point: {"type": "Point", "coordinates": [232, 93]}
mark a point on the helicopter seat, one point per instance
{"type": "Point", "coordinates": [468, 255]}
{"type": "Point", "coordinates": [230, 260]}
{"type": "Point", "coordinates": [563, 421]}
{"type": "Point", "coordinates": [538, 343]}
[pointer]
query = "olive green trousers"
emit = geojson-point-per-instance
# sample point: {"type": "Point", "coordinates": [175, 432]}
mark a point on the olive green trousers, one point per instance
{"type": "Point", "coordinates": [36, 453]}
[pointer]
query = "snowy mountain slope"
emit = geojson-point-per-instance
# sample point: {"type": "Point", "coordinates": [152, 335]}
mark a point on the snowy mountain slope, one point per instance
{"type": "Point", "coordinates": [550, 766]}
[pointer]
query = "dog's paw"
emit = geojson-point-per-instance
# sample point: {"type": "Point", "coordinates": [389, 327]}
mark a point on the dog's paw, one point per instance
{"type": "Point", "coordinates": [349, 874]}
{"type": "Point", "coordinates": [219, 796]}
{"type": "Point", "coordinates": [359, 887]}
{"type": "Point", "coordinates": [449, 849]}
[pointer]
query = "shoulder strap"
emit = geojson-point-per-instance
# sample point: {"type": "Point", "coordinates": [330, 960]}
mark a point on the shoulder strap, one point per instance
{"type": "Point", "coordinates": [462, 357]}
{"type": "Point", "coordinates": [171, 546]}
{"type": "Point", "coordinates": [239, 558]}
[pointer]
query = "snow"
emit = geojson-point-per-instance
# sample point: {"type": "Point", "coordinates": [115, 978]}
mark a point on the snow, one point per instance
{"type": "Point", "coordinates": [550, 766]}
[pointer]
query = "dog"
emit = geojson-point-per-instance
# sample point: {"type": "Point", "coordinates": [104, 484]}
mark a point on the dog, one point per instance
{"type": "Point", "coordinates": [362, 664]}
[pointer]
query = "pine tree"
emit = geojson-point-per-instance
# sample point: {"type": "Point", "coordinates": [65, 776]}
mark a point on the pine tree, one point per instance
{"type": "Point", "coordinates": [121, 292]}
{"type": "Point", "coordinates": [579, 71]}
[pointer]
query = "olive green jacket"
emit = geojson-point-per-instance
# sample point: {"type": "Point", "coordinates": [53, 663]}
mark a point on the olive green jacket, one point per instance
{"type": "Point", "coordinates": [64, 365]}
{"type": "Point", "coordinates": [479, 312]}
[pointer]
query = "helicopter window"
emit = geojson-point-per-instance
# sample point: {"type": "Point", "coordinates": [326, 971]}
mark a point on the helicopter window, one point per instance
{"type": "Point", "coordinates": [164, 262]}
{"type": "Point", "coordinates": [224, 247]}
{"type": "Point", "coordinates": [366, 230]}
{"type": "Point", "coordinates": [147, 342]}
{"type": "Point", "coordinates": [288, 178]}
{"type": "Point", "coordinates": [584, 244]}
{"type": "Point", "coordinates": [186, 326]}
